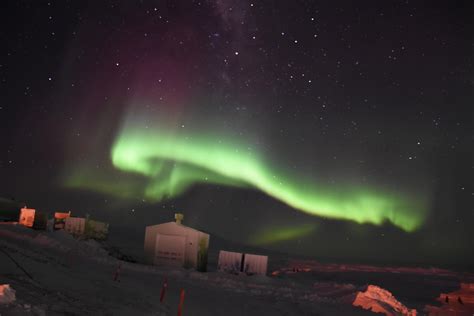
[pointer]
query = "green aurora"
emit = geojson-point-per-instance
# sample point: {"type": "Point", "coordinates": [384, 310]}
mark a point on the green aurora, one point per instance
{"type": "Point", "coordinates": [276, 234]}
{"type": "Point", "coordinates": [170, 162]}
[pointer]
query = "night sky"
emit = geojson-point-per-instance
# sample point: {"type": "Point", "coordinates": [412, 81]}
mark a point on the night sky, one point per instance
{"type": "Point", "coordinates": [338, 130]}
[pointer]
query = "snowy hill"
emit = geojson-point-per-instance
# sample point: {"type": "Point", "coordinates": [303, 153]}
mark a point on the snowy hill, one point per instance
{"type": "Point", "coordinates": [76, 277]}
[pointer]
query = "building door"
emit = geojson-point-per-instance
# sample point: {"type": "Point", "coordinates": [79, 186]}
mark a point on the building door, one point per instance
{"type": "Point", "coordinates": [169, 250]}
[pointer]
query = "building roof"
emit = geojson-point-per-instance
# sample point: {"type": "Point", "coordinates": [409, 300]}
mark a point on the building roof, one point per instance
{"type": "Point", "coordinates": [179, 225]}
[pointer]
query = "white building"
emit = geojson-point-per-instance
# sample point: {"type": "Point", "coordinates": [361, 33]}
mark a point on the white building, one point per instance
{"type": "Point", "coordinates": [235, 262]}
{"type": "Point", "coordinates": [230, 261]}
{"type": "Point", "coordinates": [175, 244]}
{"type": "Point", "coordinates": [255, 264]}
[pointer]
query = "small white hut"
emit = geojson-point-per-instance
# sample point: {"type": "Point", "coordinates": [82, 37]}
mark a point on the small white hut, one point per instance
{"type": "Point", "coordinates": [230, 261]}
{"type": "Point", "coordinates": [175, 244]}
{"type": "Point", "coordinates": [255, 264]}
{"type": "Point", "coordinates": [235, 262]}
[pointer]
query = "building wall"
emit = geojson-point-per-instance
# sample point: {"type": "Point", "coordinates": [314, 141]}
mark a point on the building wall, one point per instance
{"type": "Point", "coordinates": [202, 251]}
{"type": "Point", "coordinates": [27, 217]}
{"type": "Point", "coordinates": [150, 243]}
{"type": "Point", "coordinates": [170, 250]}
{"type": "Point", "coordinates": [193, 240]}
{"type": "Point", "coordinates": [41, 221]}
{"type": "Point", "coordinates": [255, 264]}
{"type": "Point", "coordinates": [96, 230]}
{"type": "Point", "coordinates": [75, 225]}
{"type": "Point", "coordinates": [60, 219]}
{"type": "Point", "coordinates": [229, 261]}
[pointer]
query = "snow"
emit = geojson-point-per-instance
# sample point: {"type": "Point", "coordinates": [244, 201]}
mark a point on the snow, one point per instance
{"type": "Point", "coordinates": [459, 302]}
{"type": "Point", "coordinates": [76, 277]}
{"type": "Point", "coordinates": [7, 294]}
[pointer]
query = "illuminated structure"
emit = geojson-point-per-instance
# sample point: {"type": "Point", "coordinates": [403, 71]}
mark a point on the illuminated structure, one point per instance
{"type": "Point", "coordinates": [31, 218]}
{"type": "Point", "coordinates": [27, 217]}
{"type": "Point", "coordinates": [177, 245]}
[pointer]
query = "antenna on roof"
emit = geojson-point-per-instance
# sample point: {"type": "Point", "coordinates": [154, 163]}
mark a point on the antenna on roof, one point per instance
{"type": "Point", "coordinates": [178, 217]}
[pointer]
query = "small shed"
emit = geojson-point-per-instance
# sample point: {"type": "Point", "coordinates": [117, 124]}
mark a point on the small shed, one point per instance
{"type": "Point", "coordinates": [255, 264]}
{"type": "Point", "coordinates": [96, 230]}
{"type": "Point", "coordinates": [230, 261]}
{"type": "Point", "coordinates": [32, 218]}
{"type": "Point", "coordinates": [87, 228]}
{"type": "Point", "coordinates": [60, 219]}
{"type": "Point", "coordinates": [27, 217]}
{"type": "Point", "coordinates": [235, 262]}
{"type": "Point", "coordinates": [177, 245]}
{"type": "Point", "coordinates": [75, 226]}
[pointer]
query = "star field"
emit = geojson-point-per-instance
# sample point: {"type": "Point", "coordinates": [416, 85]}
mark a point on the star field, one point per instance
{"type": "Point", "coordinates": [327, 99]}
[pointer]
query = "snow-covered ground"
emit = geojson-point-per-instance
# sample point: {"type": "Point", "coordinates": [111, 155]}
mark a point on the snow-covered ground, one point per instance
{"type": "Point", "coordinates": [75, 277]}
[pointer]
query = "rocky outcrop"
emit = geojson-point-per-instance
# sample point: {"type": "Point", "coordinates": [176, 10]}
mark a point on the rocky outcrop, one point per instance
{"type": "Point", "coordinates": [7, 294]}
{"type": "Point", "coordinates": [379, 300]}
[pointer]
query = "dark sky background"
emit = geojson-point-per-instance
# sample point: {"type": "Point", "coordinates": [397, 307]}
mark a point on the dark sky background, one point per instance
{"type": "Point", "coordinates": [372, 94]}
